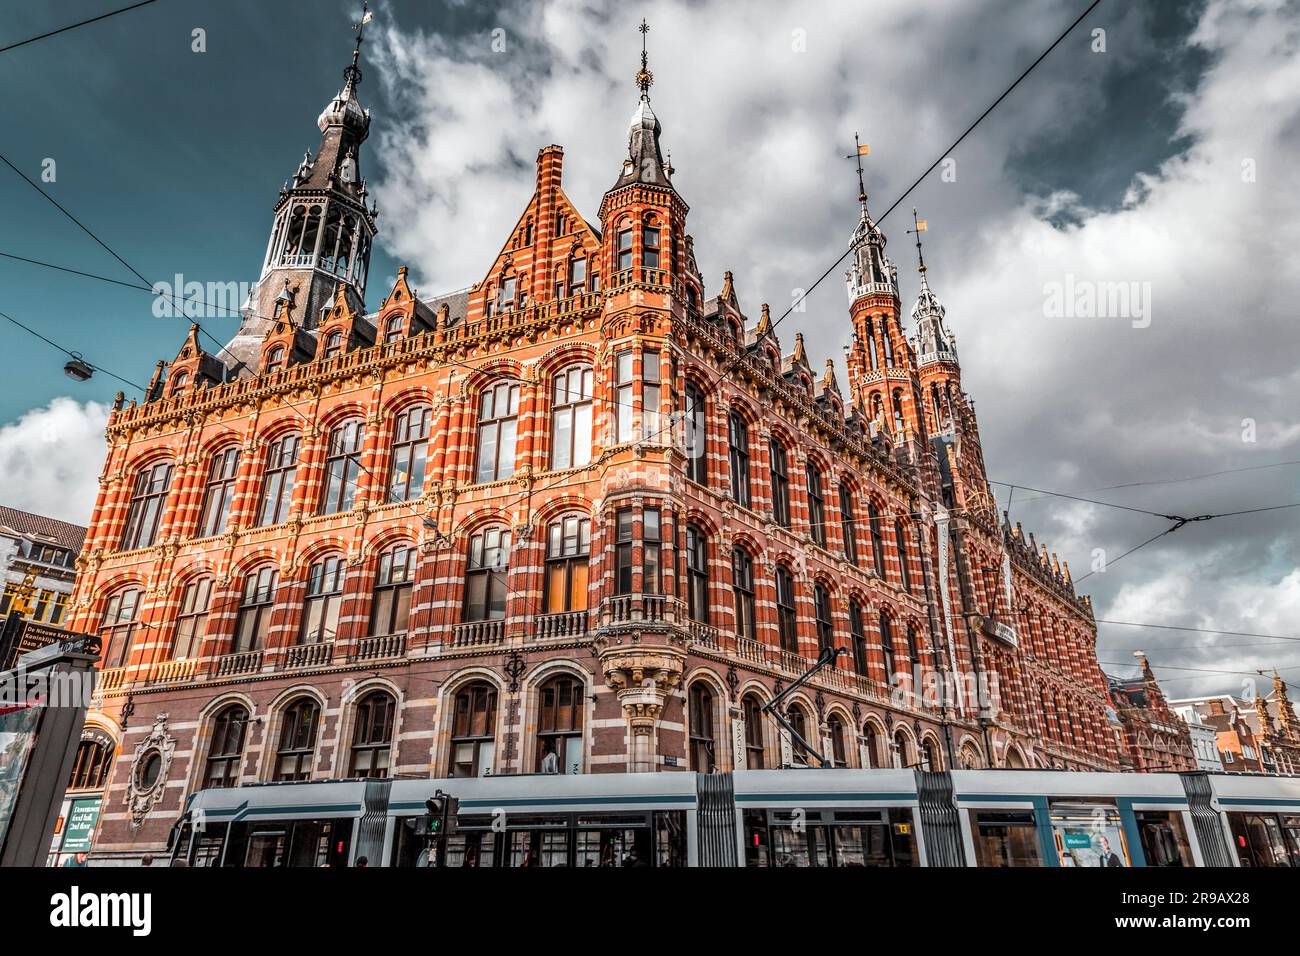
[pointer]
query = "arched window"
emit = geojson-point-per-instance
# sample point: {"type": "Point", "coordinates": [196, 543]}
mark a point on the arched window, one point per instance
{"type": "Point", "coordinates": [92, 763]}
{"type": "Point", "coordinates": [473, 731]}
{"type": "Point", "coordinates": [696, 434]}
{"type": "Point", "coordinates": [742, 580]}
{"type": "Point", "coordinates": [701, 728]}
{"type": "Point", "coordinates": [816, 506]}
{"type": "Point", "coordinates": [913, 646]}
{"type": "Point", "coordinates": [697, 575]}
{"type": "Point", "coordinates": [192, 619]}
{"type": "Point", "coordinates": [117, 628]}
{"type": "Point", "coordinates": [930, 759]}
{"type": "Point", "coordinates": [219, 491]}
{"type": "Point", "coordinates": [390, 612]}
{"type": "Point", "coordinates": [277, 480]}
{"type": "Point", "coordinates": [226, 748]}
{"type": "Point", "coordinates": [342, 466]}
{"type": "Point", "coordinates": [148, 499]}
{"type": "Point", "coordinates": [274, 360]}
{"type": "Point", "coordinates": [393, 332]}
{"type": "Point", "coordinates": [877, 539]}
{"type": "Point", "coordinates": [571, 417]}
{"type": "Point", "coordinates": [333, 344]}
{"type": "Point", "coordinates": [559, 725]}
{"type": "Point", "coordinates": [780, 474]}
{"type": "Point", "coordinates": [871, 741]}
{"type": "Point", "coordinates": [786, 622]}
{"type": "Point", "coordinates": [800, 724]}
{"type": "Point", "coordinates": [900, 542]}
{"type": "Point", "coordinates": [410, 452]}
{"type": "Point", "coordinates": [835, 727]}
{"type": "Point", "coordinates": [825, 624]}
{"type": "Point", "coordinates": [848, 524]}
{"type": "Point", "coordinates": [297, 740]}
{"type": "Point", "coordinates": [485, 578]}
{"type": "Point", "coordinates": [179, 381]}
{"type": "Point", "coordinates": [372, 736]}
{"type": "Point", "coordinates": [320, 612]}
{"type": "Point", "coordinates": [577, 276]}
{"type": "Point", "coordinates": [568, 561]}
{"type": "Point", "coordinates": [858, 637]}
{"type": "Point", "coordinates": [887, 647]}
{"type": "Point", "coordinates": [898, 412]}
{"type": "Point", "coordinates": [498, 412]}
{"type": "Point", "coordinates": [255, 606]}
{"type": "Point", "coordinates": [752, 708]}
{"type": "Point", "coordinates": [738, 458]}
{"type": "Point", "coordinates": [905, 759]}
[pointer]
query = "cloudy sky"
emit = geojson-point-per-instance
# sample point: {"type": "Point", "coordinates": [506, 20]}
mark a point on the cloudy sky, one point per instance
{"type": "Point", "coordinates": [1158, 153]}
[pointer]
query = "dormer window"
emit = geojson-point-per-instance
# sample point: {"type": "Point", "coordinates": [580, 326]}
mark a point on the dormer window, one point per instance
{"type": "Point", "coordinates": [506, 298]}
{"type": "Point", "coordinates": [334, 344]}
{"type": "Point", "coordinates": [577, 276]}
{"type": "Point", "coordinates": [274, 360]}
{"type": "Point", "coordinates": [179, 381]}
{"type": "Point", "coordinates": [393, 333]}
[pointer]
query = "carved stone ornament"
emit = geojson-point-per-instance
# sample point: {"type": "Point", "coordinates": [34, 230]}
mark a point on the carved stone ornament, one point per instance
{"type": "Point", "coordinates": [149, 766]}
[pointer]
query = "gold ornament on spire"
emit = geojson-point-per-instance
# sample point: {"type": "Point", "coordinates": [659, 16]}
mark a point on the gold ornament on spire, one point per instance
{"type": "Point", "coordinates": [644, 78]}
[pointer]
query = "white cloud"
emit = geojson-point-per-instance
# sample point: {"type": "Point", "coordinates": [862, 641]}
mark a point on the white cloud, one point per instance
{"type": "Point", "coordinates": [51, 458]}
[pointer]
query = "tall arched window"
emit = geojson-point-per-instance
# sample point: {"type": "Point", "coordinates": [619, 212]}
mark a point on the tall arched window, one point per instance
{"type": "Point", "coordinates": [871, 741]}
{"type": "Point", "coordinates": [342, 466]}
{"type": "Point", "coordinates": [117, 628]}
{"type": "Point", "coordinates": [393, 331]}
{"type": "Point", "coordinates": [702, 749]}
{"type": "Point", "coordinates": [877, 539]}
{"type": "Point", "coordinates": [848, 524]}
{"type": "Point", "coordinates": [696, 427]}
{"type": "Point", "coordinates": [835, 727]}
{"type": "Point", "coordinates": [786, 621]}
{"type": "Point", "coordinates": [780, 474]}
{"type": "Point", "coordinates": [255, 606]}
{"type": "Point", "coordinates": [905, 758]}
{"type": "Point", "coordinates": [277, 480]}
{"type": "Point", "coordinates": [559, 725]}
{"type": "Point", "coordinates": [913, 645]}
{"type": "Point", "coordinates": [571, 417]}
{"type": "Point", "coordinates": [485, 577]}
{"type": "Point", "coordinates": [297, 740]}
{"type": "Point", "coordinates": [858, 636]}
{"type": "Point", "coordinates": [219, 491]}
{"type": "Point", "coordinates": [697, 575]}
{"type": "Point", "coordinates": [930, 759]}
{"type": "Point", "coordinates": [498, 412]}
{"type": "Point", "coordinates": [742, 580]}
{"type": "Point", "coordinates": [816, 505]}
{"type": "Point", "coordinates": [320, 612]}
{"type": "Point", "coordinates": [148, 499]}
{"type": "Point", "coordinates": [800, 724]}
{"type": "Point", "coordinates": [825, 624]}
{"type": "Point", "coordinates": [410, 452]}
{"type": "Point", "coordinates": [568, 561]}
{"type": "Point", "coordinates": [473, 730]}
{"type": "Point", "coordinates": [390, 612]}
{"type": "Point", "coordinates": [372, 736]}
{"type": "Point", "coordinates": [192, 619]}
{"type": "Point", "coordinates": [904, 565]}
{"type": "Point", "coordinates": [887, 647]}
{"type": "Point", "coordinates": [92, 763]}
{"type": "Point", "coordinates": [752, 708]}
{"type": "Point", "coordinates": [738, 458]}
{"type": "Point", "coordinates": [226, 748]}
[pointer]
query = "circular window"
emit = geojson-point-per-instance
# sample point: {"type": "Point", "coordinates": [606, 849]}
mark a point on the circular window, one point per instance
{"type": "Point", "coordinates": [148, 770]}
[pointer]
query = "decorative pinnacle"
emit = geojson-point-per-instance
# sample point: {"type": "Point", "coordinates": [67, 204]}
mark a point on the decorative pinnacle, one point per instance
{"type": "Point", "coordinates": [644, 78]}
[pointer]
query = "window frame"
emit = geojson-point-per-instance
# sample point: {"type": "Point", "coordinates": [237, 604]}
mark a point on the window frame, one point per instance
{"type": "Point", "coordinates": [409, 451]}
{"type": "Point", "coordinates": [339, 489]}
{"type": "Point", "coordinates": [149, 492]}
{"type": "Point", "coordinates": [219, 491]}
{"type": "Point", "coordinates": [779, 475]}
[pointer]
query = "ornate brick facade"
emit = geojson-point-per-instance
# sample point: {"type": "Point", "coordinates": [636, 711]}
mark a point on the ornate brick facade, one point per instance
{"type": "Point", "coordinates": [580, 509]}
{"type": "Point", "coordinates": [1156, 739]}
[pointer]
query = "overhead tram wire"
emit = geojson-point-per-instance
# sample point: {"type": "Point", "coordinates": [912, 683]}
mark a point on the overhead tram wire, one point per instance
{"type": "Point", "coordinates": [73, 26]}
{"type": "Point", "coordinates": [69, 353]}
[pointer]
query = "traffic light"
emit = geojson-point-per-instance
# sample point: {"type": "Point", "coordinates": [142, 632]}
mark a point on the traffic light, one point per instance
{"type": "Point", "coordinates": [440, 813]}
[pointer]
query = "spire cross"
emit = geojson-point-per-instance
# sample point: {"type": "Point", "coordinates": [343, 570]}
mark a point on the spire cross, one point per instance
{"type": "Point", "coordinates": [644, 78]}
{"type": "Point", "coordinates": [919, 226]}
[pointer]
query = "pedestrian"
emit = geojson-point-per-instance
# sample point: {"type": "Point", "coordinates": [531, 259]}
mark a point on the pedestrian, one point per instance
{"type": "Point", "coordinates": [362, 862]}
{"type": "Point", "coordinates": [146, 860]}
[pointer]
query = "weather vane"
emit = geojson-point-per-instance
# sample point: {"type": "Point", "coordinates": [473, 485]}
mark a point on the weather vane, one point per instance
{"type": "Point", "coordinates": [919, 226]}
{"type": "Point", "coordinates": [860, 149]}
{"type": "Point", "coordinates": [644, 78]}
{"type": "Point", "coordinates": [353, 72]}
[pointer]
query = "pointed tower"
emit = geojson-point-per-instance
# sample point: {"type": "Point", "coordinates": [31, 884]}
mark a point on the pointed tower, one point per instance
{"type": "Point", "coordinates": [882, 379]}
{"type": "Point", "coordinates": [1285, 713]}
{"type": "Point", "coordinates": [643, 219]}
{"type": "Point", "coordinates": [323, 228]}
{"type": "Point", "coordinates": [938, 371]}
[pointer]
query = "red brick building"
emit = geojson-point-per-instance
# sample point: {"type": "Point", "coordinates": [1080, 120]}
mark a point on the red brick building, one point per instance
{"type": "Point", "coordinates": [581, 517]}
{"type": "Point", "coordinates": [1156, 740]}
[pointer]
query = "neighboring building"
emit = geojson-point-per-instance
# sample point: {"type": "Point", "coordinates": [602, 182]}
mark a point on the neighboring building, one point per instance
{"type": "Point", "coordinates": [1205, 740]}
{"type": "Point", "coordinates": [1261, 735]}
{"type": "Point", "coordinates": [580, 509]}
{"type": "Point", "coordinates": [38, 553]}
{"type": "Point", "coordinates": [1155, 738]}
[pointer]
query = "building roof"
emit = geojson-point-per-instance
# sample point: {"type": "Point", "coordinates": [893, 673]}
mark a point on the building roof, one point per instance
{"type": "Point", "coordinates": [48, 530]}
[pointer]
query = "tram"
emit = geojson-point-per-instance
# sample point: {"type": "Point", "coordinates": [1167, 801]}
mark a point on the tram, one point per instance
{"type": "Point", "coordinates": [795, 817]}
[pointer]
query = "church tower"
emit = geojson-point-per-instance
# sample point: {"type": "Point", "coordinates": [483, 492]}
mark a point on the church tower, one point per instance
{"type": "Point", "coordinates": [323, 226]}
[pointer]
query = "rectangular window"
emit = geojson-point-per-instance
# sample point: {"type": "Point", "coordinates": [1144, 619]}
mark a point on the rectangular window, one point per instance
{"type": "Point", "coordinates": [742, 577]}
{"type": "Point", "coordinates": [577, 276]}
{"type": "Point", "coordinates": [816, 506]}
{"type": "Point", "coordinates": [623, 551]}
{"type": "Point", "coordinates": [650, 394]}
{"type": "Point", "coordinates": [624, 249]}
{"type": "Point", "coordinates": [738, 459]}
{"type": "Point", "coordinates": [1006, 839]}
{"type": "Point", "coordinates": [847, 527]}
{"type": "Point", "coordinates": [650, 247]}
{"type": "Point", "coordinates": [623, 397]}
{"type": "Point", "coordinates": [780, 485]}
{"type": "Point", "coordinates": [652, 538]}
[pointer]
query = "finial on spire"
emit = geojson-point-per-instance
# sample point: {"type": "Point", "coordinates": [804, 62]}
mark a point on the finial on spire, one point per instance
{"type": "Point", "coordinates": [644, 78]}
{"type": "Point", "coordinates": [860, 149]}
{"type": "Point", "coordinates": [353, 73]}
{"type": "Point", "coordinates": [919, 226]}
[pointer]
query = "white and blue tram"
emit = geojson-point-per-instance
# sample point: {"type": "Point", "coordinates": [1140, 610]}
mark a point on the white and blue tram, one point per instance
{"type": "Point", "coordinates": [799, 818]}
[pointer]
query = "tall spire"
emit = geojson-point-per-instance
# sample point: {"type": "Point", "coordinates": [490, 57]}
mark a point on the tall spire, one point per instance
{"type": "Point", "coordinates": [646, 162]}
{"type": "Point", "coordinates": [871, 270]}
{"type": "Point", "coordinates": [934, 342]}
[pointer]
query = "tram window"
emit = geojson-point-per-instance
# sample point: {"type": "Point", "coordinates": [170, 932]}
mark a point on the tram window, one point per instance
{"type": "Point", "coordinates": [1259, 840]}
{"type": "Point", "coordinates": [670, 838]}
{"type": "Point", "coordinates": [800, 848]}
{"type": "Point", "coordinates": [1006, 839]}
{"type": "Point", "coordinates": [1164, 840]}
{"type": "Point", "coordinates": [471, 849]}
{"type": "Point", "coordinates": [1089, 835]}
{"type": "Point", "coordinates": [756, 844]}
{"type": "Point", "coordinates": [539, 847]}
{"type": "Point", "coordinates": [206, 850]}
{"type": "Point", "coordinates": [266, 848]}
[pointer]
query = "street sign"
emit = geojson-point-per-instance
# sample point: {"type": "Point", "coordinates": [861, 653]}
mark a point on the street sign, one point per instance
{"type": "Point", "coordinates": [21, 636]}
